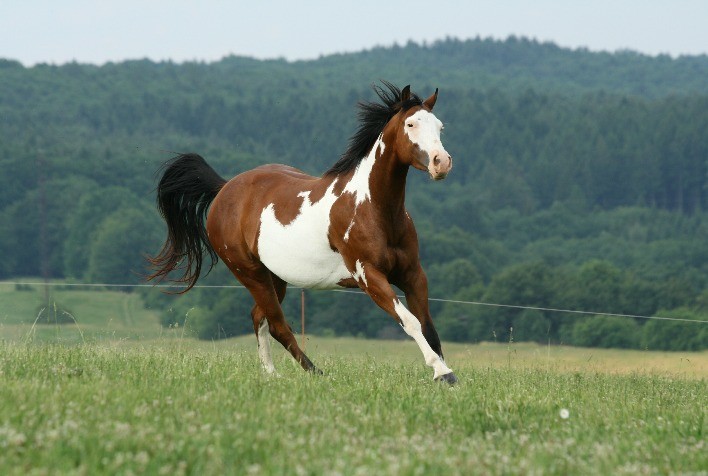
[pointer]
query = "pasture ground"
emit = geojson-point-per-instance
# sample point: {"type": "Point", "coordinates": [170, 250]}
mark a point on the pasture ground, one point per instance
{"type": "Point", "coordinates": [175, 406]}
{"type": "Point", "coordinates": [133, 399]}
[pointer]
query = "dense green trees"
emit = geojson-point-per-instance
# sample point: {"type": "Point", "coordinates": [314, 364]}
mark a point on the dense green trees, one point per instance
{"type": "Point", "coordinates": [88, 219]}
{"type": "Point", "coordinates": [608, 331]}
{"type": "Point", "coordinates": [580, 179]}
{"type": "Point", "coordinates": [120, 244]}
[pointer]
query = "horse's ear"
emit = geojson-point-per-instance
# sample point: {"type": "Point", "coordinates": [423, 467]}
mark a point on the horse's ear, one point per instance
{"type": "Point", "coordinates": [406, 93]}
{"type": "Point", "coordinates": [430, 102]}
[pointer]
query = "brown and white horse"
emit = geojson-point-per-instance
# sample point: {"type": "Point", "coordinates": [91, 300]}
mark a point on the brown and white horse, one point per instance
{"type": "Point", "coordinates": [275, 225]}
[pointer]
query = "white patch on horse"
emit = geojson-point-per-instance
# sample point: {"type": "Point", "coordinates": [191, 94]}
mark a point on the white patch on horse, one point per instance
{"type": "Point", "coordinates": [349, 228]}
{"type": "Point", "coordinates": [358, 273]}
{"type": "Point", "coordinates": [264, 347]}
{"type": "Point", "coordinates": [412, 327]}
{"type": "Point", "coordinates": [358, 185]}
{"type": "Point", "coordinates": [382, 146]}
{"type": "Point", "coordinates": [299, 253]}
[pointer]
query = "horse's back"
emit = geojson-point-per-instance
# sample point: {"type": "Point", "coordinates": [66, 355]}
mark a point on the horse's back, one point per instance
{"type": "Point", "coordinates": [276, 172]}
{"type": "Point", "coordinates": [262, 184]}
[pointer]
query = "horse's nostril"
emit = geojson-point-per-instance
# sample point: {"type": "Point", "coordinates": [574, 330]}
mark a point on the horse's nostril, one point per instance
{"type": "Point", "coordinates": [436, 160]}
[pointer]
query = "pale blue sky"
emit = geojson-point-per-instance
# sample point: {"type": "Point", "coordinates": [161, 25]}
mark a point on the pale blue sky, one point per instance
{"type": "Point", "coordinates": [96, 31]}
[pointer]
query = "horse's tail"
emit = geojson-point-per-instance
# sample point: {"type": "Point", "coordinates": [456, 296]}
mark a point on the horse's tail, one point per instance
{"type": "Point", "coordinates": [187, 188]}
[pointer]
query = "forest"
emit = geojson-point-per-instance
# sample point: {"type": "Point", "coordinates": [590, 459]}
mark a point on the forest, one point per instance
{"type": "Point", "coordinates": [580, 181]}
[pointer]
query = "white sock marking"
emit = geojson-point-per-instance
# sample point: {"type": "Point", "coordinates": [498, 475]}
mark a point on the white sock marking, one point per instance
{"type": "Point", "coordinates": [264, 347]}
{"type": "Point", "coordinates": [412, 327]}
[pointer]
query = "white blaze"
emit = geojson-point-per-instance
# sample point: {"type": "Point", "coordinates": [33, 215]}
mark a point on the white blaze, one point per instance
{"type": "Point", "coordinates": [423, 129]}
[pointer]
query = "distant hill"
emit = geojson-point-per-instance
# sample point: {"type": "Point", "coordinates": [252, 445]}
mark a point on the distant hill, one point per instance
{"type": "Point", "coordinates": [513, 64]}
{"type": "Point", "coordinates": [517, 105]}
{"type": "Point", "coordinates": [519, 64]}
{"type": "Point", "coordinates": [580, 178]}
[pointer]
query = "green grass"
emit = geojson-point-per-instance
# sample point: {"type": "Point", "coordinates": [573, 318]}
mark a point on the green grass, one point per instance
{"type": "Point", "coordinates": [129, 398]}
{"type": "Point", "coordinates": [179, 407]}
{"type": "Point", "coordinates": [98, 314]}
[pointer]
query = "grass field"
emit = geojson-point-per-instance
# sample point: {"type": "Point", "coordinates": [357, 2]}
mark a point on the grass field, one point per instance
{"type": "Point", "coordinates": [99, 315]}
{"type": "Point", "coordinates": [136, 400]}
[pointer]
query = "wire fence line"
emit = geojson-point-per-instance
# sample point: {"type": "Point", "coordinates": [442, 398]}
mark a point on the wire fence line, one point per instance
{"type": "Point", "coordinates": [351, 291]}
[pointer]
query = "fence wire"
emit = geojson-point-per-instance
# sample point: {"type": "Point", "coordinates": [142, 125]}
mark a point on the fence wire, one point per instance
{"type": "Point", "coordinates": [352, 291]}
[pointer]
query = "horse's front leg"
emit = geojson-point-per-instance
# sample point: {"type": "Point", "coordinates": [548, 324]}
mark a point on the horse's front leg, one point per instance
{"type": "Point", "coordinates": [376, 285]}
{"type": "Point", "coordinates": [415, 286]}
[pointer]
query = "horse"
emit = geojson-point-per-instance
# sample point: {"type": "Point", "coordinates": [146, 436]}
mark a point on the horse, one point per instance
{"type": "Point", "coordinates": [275, 225]}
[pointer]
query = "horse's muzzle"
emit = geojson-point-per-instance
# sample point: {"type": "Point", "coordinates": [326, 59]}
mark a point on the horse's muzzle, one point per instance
{"type": "Point", "coordinates": [440, 165]}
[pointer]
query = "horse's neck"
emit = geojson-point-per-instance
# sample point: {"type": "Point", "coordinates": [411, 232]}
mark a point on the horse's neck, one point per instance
{"type": "Point", "coordinates": [379, 179]}
{"type": "Point", "coordinates": [387, 184]}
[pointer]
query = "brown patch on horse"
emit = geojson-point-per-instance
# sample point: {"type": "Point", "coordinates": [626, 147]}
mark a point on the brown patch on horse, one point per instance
{"type": "Point", "coordinates": [320, 188]}
{"type": "Point", "coordinates": [339, 186]}
{"type": "Point", "coordinates": [286, 212]}
{"type": "Point", "coordinates": [348, 283]}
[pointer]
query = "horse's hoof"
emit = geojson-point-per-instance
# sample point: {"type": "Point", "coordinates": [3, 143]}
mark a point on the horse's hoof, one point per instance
{"type": "Point", "coordinates": [315, 371]}
{"type": "Point", "coordinates": [449, 378]}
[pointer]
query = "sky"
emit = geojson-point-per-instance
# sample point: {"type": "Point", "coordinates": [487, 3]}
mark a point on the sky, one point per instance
{"type": "Point", "coordinates": [99, 31]}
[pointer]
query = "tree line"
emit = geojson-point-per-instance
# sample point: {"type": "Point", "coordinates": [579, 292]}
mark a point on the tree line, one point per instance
{"type": "Point", "coordinates": [570, 167]}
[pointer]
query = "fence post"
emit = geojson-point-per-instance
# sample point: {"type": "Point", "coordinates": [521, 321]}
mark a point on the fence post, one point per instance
{"type": "Point", "coordinates": [302, 318]}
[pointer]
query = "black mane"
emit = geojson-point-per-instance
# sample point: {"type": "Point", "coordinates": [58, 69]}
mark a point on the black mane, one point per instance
{"type": "Point", "coordinates": [372, 118]}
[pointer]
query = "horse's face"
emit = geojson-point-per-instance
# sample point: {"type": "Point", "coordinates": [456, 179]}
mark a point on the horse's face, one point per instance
{"type": "Point", "coordinates": [419, 140]}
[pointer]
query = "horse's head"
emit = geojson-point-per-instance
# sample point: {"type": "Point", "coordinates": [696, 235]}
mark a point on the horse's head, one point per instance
{"type": "Point", "coordinates": [418, 137]}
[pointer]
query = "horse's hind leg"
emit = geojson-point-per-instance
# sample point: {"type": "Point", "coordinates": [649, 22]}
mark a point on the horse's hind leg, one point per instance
{"type": "Point", "coordinates": [264, 286]}
{"type": "Point", "coordinates": [260, 326]}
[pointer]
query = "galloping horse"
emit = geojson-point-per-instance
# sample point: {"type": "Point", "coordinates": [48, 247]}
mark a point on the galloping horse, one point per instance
{"type": "Point", "coordinates": [275, 225]}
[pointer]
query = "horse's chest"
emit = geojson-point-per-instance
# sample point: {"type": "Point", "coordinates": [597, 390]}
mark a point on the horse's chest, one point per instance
{"type": "Point", "coordinates": [299, 252]}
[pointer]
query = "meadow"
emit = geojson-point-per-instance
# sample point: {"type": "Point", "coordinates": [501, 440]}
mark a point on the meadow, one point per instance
{"type": "Point", "coordinates": [121, 401]}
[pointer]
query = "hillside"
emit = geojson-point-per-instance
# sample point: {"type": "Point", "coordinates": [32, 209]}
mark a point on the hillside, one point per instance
{"type": "Point", "coordinates": [569, 165]}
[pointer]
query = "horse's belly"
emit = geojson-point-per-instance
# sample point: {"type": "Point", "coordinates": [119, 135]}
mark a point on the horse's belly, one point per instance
{"type": "Point", "coordinates": [299, 252]}
{"type": "Point", "coordinates": [302, 267]}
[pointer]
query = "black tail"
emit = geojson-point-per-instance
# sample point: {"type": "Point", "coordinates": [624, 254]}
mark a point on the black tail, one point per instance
{"type": "Point", "coordinates": [187, 188]}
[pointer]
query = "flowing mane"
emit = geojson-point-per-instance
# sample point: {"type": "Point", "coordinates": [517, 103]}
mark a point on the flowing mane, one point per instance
{"type": "Point", "coordinates": [372, 119]}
